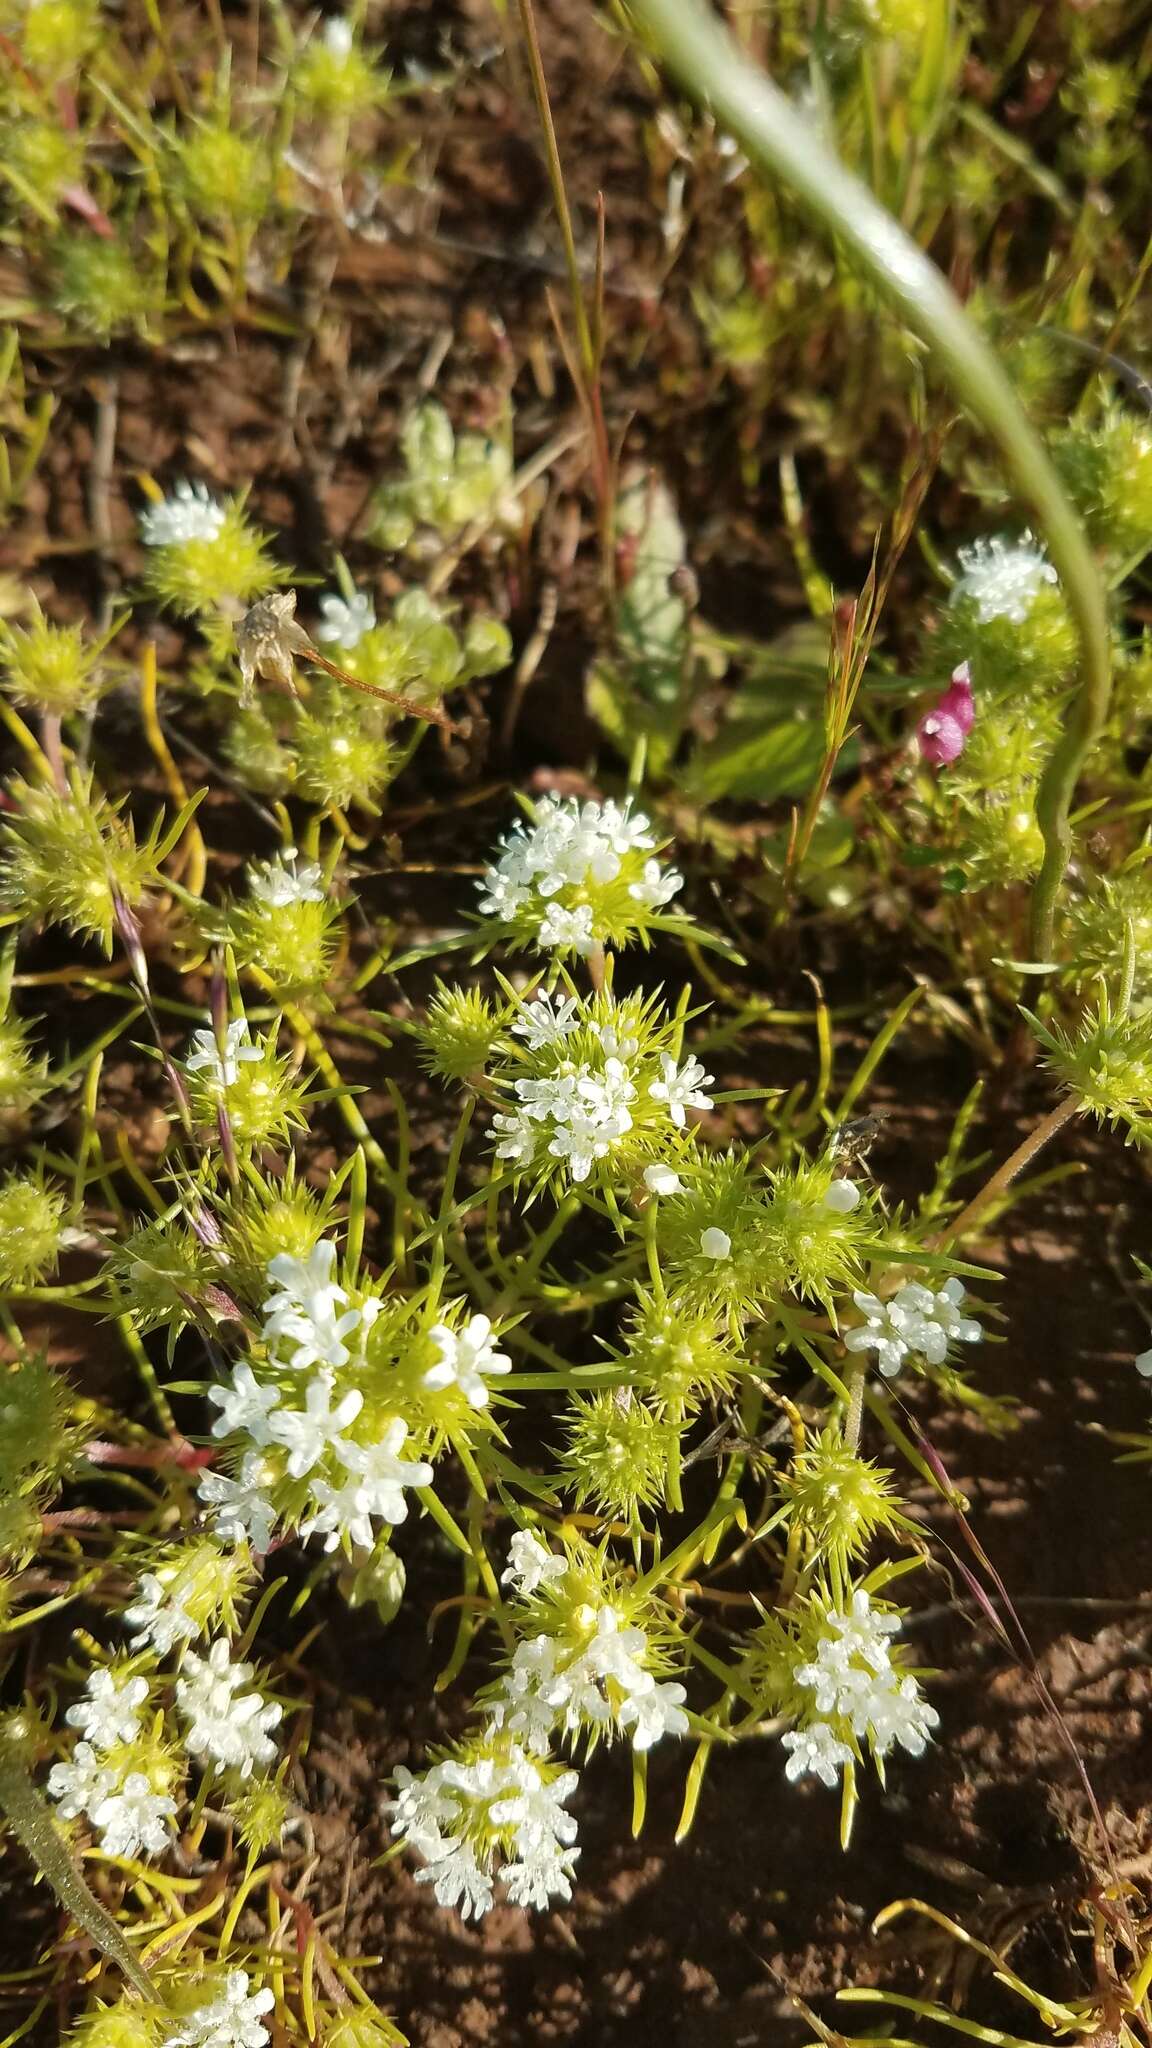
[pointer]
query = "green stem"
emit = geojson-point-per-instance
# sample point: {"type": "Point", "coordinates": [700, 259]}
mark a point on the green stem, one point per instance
{"type": "Point", "coordinates": [712, 68]}
{"type": "Point", "coordinates": [30, 1819]}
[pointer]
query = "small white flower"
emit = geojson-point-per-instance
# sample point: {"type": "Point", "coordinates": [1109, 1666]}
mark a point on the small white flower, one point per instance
{"type": "Point", "coordinates": [131, 1819]}
{"type": "Point", "coordinates": [188, 513]}
{"type": "Point", "coordinates": [241, 1509]}
{"type": "Point", "coordinates": [308, 1433]}
{"type": "Point", "coordinates": [715, 1244]}
{"type": "Point", "coordinates": [682, 1088]}
{"type": "Point", "coordinates": [245, 1405]}
{"type": "Point", "coordinates": [559, 927]}
{"type": "Point", "coordinates": [1144, 1364]}
{"type": "Point", "coordinates": [338, 39]}
{"type": "Point", "coordinates": [816, 1752]}
{"type": "Point", "coordinates": [304, 1309]}
{"type": "Point", "coordinates": [517, 1137]}
{"type": "Point", "coordinates": [345, 621]}
{"type": "Point", "coordinates": [222, 1069]}
{"type": "Point", "coordinates": [546, 1022]}
{"type": "Point", "coordinates": [531, 1564]}
{"type": "Point", "coordinates": [465, 1357]}
{"type": "Point", "coordinates": [661, 1180]}
{"type": "Point", "coordinates": [1003, 578]}
{"type": "Point", "coordinates": [157, 1618]}
{"type": "Point", "coordinates": [278, 883]}
{"type": "Point", "coordinates": [842, 1197]}
{"type": "Point", "coordinates": [653, 1714]}
{"type": "Point", "coordinates": [228, 1718]}
{"type": "Point", "coordinates": [657, 886]}
{"type": "Point", "coordinates": [111, 1711]}
{"type": "Point", "coordinates": [80, 1783]}
{"type": "Point", "coordinates": [459, 1815]}
{"type": "Point", "coordinates": [232, 2019]}
{"type": "Point", "coordinates": [377, 1478]}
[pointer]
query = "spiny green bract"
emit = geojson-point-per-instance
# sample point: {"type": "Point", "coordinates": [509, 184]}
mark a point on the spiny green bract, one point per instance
{"type": "Point", "coordinates": [23, 1077]}
{"type": "Point", "coordinates": [37, 1441]}
{"type": "Point", "coordinates": [65, 857]}
{"type": "Point", "coordinates": [839, 1498]}
{"type": "Point", "coordinates": [103, 286]}
{"type": "Point", "coordinates": [1037, 653]}
{"type": "Point", "coordinates": [263, 1097]}
{"type": "Point", "coordinates": [40, 160]}
{"type": "Point", "coordinates": [781, 1236]}
{"type": "Point", "coordinates": [161, 1273]}
{"type": "Point", "coordinates": [1108, 470]}
{"type": "Point", "coordinates": [341, 760]}
{"type": "Point", "coordinates": [459, 1035]}
{"type": "Point", "coordinates": [260, 1811]}
{"type": "Point", "coordinates": [223, 174]}
{"type": "Point", "coordinates": [30, 1229]}
{"type": "Point", "coordinates": [332, 74]}
{"type": "Point", "coordinates": [1100, 920]}
{"type": "Point", "coordinates": [1107, 1061]}
{"type": "Point", "coordinates": [253, 747]}
{"type": "Point", "coordinates": [616, 1455]}
{"type": "Point", "coordinates": [49, 667]}
{"type": "Point", "coordinates": [676, 1357]}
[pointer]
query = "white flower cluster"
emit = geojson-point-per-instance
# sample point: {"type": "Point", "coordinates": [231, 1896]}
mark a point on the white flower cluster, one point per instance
{"type": "Point", "coordinates": [603, 1683]}
{"type": "Point", "coordinates": [130, 1817]}
{"type": "Point", "coordinates": [458, 1814]}
{"type": "Point", "coordinates": [569, 849]}
{"type": "Point", "coordinates": [1002, 577]}
{"type": "Point", "coordinates": [308, 1320]}
{"type": "Point", "coordinates": [188, 513]}
{"type": "Point", "coordinates": [855, 1684]}
{"type": "Point", "coordinates": [584, 1109]}
{"type": "Point", "coordinates": [917, 1321]}
{"type": "Point", "coordinates": [277, 884]}
{"type": "Point", "coordinates": [345, 620]}
{"type": "Point", "coordinates": [233, 2018]}
{"type": "Point", "coordinates": [228, 1718]}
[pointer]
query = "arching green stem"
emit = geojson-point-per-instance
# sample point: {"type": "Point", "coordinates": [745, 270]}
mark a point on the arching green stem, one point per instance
{"type": "Point", "coordinates": [714, 70]}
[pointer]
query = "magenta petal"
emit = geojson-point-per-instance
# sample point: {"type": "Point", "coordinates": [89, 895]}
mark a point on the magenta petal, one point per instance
{"type": "Point", "coordinates": [941, 738]}
{"type": "Point", "coordinates": [941, 732]}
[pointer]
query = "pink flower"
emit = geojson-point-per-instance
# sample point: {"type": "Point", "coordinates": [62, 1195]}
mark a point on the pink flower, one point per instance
{"type": "Point", "coordinates": [942, 731]}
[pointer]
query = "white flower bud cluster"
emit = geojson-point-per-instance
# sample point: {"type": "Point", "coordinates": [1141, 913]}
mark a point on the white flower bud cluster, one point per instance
{"type": "Point", "coordinates": [579, 1112]}
{"type": "Point", "coordinates": [856, 1688]}
{"type": "Point", "coordinates": [232, 2018]}
{"type": "Point", "coordinates": [101, 1778]}
{"type": "Point", "coordinates": [572, 850]}
{"type": "Point", "coordinates": [308, 1320]}
{"type": "Point", "coordinates": [917, 1322]}
{"type": "Point", "coordinates": [344, 621]}
{"type": "Point", "coordinates": [460, 1815]}
{"type": "Point", "coordinates": [1002, 578]}
{"type": "Point", "coordinates": [188, 513]}
{"type": "Point", "coordinates": [228, 1717]}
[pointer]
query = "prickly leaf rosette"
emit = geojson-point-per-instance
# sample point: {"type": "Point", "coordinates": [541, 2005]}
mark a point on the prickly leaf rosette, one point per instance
{"type": "Point", "coordinates": [577, 877]}
{"type": "Point", "coordinates": [596, 1656]}
{"type": "Point", "coordinates": [595, 1092]}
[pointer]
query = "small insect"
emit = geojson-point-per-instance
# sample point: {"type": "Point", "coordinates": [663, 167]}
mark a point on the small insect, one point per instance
{"type": "Point", "coordinates": [851, 1142]}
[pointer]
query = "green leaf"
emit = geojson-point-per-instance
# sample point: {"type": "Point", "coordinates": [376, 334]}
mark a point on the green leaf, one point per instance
{"type": "Point", "coordinates": [758, 762]}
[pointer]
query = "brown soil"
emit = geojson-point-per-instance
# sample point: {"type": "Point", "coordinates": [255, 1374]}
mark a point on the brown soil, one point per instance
{"type": "Point", "coordinates": [698, 1946]}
